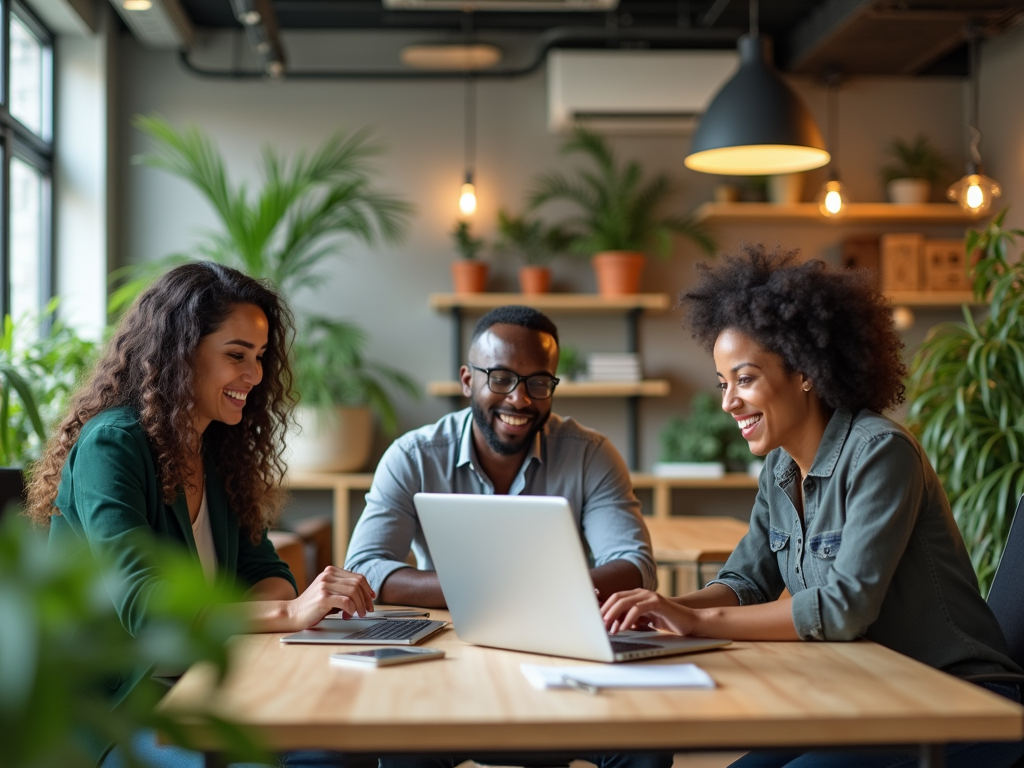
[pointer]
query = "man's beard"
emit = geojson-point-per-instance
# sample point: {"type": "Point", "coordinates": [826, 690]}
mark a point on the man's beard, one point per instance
{"type": "Point", "coordinates": [496, 443]}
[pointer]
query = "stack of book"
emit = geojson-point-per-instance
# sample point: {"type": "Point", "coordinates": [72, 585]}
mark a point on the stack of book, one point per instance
{"type": "Point", "coordinates": [608, 366]}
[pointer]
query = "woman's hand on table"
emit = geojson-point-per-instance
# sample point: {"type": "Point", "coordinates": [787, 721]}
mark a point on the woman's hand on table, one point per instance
{"type": "Point", "coordinates": [640, 608]}
{"type": "Point", "coordinates": [332, 589]}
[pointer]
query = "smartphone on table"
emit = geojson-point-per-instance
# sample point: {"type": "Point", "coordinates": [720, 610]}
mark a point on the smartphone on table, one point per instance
{"type": "Point", "coordinates": [382, 657]}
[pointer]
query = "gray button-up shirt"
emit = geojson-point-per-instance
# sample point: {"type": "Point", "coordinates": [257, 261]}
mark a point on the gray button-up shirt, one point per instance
{"type": "Point", "coordinates": [566, 459]}
{"type": "Point", "coordinates": [878, 554]}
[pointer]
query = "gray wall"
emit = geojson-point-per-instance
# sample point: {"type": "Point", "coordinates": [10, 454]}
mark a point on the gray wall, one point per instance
{"type": "Point", "coordinates": [421, 122]}
{"type": "Point", "coordinates": [1002, 119]}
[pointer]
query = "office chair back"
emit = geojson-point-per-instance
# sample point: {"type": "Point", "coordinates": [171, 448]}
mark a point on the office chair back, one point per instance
{"type": "Point", "coordinates": [1005, 595]}
{"type": "Point", "coordinates": [12, 489]}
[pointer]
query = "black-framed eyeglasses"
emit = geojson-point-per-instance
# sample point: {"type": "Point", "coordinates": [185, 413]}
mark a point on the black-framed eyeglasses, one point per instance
{"type": "Point", "coordinates": [501, 381]}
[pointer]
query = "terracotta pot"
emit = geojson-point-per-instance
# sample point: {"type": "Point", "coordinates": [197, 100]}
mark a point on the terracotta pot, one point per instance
{"type": "Point", "coordinates": [332, 441]}
{"type": "Point", "coordinates": [618, 272]}
{"type": "Point", "coordinates": [469, 276]}
{"type": "Point", "coordinates": [534, 279]}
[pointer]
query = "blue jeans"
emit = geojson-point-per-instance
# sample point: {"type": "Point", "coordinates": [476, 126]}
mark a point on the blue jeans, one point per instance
{"type": "Point", "coordinates": [534, 760]}
{"type": "Point", "coordinates": [977, 754]}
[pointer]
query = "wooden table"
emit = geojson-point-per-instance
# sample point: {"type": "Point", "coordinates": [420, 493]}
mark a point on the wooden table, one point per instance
{"type": "Point", "coordinates": [802, 694]}
{"type": "Point", "coordinates": [682, 544]}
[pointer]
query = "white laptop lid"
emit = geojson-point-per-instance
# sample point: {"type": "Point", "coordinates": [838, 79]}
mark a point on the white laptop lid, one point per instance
{"type": "Point", "coordinates": [477, 542]}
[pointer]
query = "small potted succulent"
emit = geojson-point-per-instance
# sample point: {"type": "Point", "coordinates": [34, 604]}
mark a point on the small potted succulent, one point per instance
{"type": "Point", "coordinates": [915, 167]}
{"type": "Point", "coordinates": [535, 244]}
{"type": "Point", "coordinates": [703, 444]}
{"type": "Point", "coordinates": [468, 273]}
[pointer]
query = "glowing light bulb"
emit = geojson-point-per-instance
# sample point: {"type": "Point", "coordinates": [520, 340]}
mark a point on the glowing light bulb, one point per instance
{"type": "Point", "coordinates": [467, 200]}
{"type": "Point", "coordinates": [974, 197]}
{"type": "Point", "coordinates": [974, 193]}
{"type": "Point", "coordinates": [137, 5]}
{"type": "Point", "coordinates": [832, 200]}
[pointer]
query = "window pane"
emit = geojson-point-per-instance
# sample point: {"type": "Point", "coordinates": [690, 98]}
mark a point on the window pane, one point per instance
{"type": "Point", "coordinates": [27, 73]}
{"type": "Point", "coordinates": [27, 238]}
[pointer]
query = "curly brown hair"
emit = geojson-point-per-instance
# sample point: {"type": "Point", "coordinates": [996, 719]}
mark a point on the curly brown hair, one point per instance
{"type": "Point", "coordinates": [833, 325]}
{"type": "Point", "coordinates": [148, 365]}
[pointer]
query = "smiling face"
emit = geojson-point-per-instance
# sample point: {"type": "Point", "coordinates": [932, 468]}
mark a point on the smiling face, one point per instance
{"type": "Point", "coordinates": [228, 364]}
{"type": "Point", "coordinates": [507, 423]}
{"type": "Point", "coordinates": [771, 405]}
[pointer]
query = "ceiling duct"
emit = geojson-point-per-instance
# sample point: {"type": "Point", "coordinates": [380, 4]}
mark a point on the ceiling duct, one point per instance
{"type": "Point", "coordinates": [158, 24]}
{"type": "Point", "coordinates": [539, 6]}
{"type": "Point", "coordinates": [634, 91]}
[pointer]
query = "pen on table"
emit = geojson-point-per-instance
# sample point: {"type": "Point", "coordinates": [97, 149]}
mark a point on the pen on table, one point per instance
{"type": "Point", "coordinates": [579, 685]}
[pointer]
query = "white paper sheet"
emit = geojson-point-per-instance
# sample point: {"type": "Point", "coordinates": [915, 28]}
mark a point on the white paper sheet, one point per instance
{"type": "Point", "coordinates": [620, 676]}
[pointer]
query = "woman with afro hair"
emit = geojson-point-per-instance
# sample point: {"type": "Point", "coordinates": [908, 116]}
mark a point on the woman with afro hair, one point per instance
{"type": "Point", "coordinates": [850, 518]}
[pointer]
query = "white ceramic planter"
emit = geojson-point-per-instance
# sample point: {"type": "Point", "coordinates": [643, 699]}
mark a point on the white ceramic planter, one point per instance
{"type": "Point", "coordinates": [694, 469]}
{"type": "Point", "coordinates": [338, 441]}
{"type": "Point", "coordinates": [785, 188]}
{"type": "Point", "coordinates": [909, 191]}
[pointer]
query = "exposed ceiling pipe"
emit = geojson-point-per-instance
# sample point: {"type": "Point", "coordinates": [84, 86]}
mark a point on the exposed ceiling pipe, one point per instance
{"type": "Point", "coordinates": [552, 38]}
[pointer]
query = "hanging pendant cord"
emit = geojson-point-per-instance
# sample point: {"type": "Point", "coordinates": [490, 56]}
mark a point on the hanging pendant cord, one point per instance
{"type": "Point", "coordinates": [754, 18]}
{"type": "Point", "coordinates": [470, 126]}
{"type": "Point", "coordinates": [972, 42]}
{"type": "Point", "coordinates": [832, 80]}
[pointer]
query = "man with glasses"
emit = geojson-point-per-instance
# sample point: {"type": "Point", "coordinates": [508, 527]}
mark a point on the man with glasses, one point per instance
{"type": "Point", "coordinates": [509, 442]}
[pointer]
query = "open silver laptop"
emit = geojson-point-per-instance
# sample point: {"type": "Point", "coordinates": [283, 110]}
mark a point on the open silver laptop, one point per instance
{"type": "Point", "coordinates": [356, 631]}
{"type": "Point", "coordinates": [514, 574]}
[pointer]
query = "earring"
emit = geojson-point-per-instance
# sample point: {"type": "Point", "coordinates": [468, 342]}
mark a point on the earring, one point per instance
{"type": "Point", "coordinates": [807, 386]}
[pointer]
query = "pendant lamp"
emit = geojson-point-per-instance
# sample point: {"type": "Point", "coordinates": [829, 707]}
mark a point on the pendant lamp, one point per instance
{"type": "Point", "coordinates": [467, 196]}
{"type": "Point", "coordinates": [832, 199]}
{"type": "Point", "coordinates": [756, 125]}
{"type": "Point", "coordinates": [975, 192]}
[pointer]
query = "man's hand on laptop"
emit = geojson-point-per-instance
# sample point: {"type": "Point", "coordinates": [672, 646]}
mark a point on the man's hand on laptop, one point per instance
{"type": "Point", "coordinates": [332, 589]}
{"type": "Point", "coordinates": [641, 608]}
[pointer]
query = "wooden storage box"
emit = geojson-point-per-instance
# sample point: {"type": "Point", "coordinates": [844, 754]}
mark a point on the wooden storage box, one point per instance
{"type": "Point", "coordinates": [945, 265]}
{"type": "Point", "coordinates": [902, 256]}
{"type": "Point", "coordinates": [862, 252]}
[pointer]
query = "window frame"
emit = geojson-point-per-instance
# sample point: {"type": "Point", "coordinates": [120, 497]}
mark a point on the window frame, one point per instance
{"type": "Point", "coordinates": [19, 141]}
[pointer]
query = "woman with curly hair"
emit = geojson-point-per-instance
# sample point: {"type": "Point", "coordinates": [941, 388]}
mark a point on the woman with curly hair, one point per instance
{"type": "Point", "coordinates": [850, 517]}
{"type": "Point", "coordinates": [179, 433]}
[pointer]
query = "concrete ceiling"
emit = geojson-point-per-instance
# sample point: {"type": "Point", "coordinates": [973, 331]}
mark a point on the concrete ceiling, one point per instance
{"type": "Point", "coordinates": [857, 37]}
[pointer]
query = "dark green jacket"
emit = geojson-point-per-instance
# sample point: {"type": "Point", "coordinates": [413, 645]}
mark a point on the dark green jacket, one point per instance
{"type": "Point", "coordinates": [109, 489]}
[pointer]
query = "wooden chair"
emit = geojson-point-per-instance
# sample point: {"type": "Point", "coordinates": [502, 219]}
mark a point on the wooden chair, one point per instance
{"type": "Point", "coordinates": [292, 550]}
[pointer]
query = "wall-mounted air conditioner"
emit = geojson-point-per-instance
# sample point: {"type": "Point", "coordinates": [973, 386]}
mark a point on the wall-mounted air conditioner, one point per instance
{"type": "Point", "coordinates": [634, 91]}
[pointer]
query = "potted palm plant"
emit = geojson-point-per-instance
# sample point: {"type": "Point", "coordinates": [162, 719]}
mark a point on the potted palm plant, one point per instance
{"type": "Point", "coordinates": [966, 395]}
{"type": "Point", "coordinates": [285, 231]}
{"type": "Point", "coordinates": [535, 244]}
{"type": "Point", "coordinates": [914, 168]}
{"type": "Point", "coordinates": [469, 273]}
{"type": "Point", "coordinates": [620, 215]}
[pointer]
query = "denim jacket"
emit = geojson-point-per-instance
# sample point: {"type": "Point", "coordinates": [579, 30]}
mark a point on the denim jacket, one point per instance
{"type": "Point", "coordinates": [878, 554]}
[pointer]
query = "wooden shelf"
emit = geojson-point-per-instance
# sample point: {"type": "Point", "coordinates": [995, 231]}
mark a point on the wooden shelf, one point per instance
{"type": "Point", "coordinates": [933, 298]}
{"type": "Point", "coordinates": [648, 388]}
{"type": "Point", "coordinates": [857, 213]}
{"type": "Point", "coordinates": [561, 302]}
{"type": "Point", "coordinates": [730, 481]}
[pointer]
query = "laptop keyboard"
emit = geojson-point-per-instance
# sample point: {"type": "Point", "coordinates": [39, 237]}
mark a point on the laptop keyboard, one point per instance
{"type": "Point", "coordinates": [624, 646]}
{"type": "Point", "coordinates": [391, 629]}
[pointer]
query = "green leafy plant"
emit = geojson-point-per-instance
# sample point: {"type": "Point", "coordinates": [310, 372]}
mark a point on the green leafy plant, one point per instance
{"type": "Point", "coordinates": [916, 159]}
{"type": "Point", "coordinates": [966, 395]}
{"type": "Point", "coordinates": [61, 643]}
{"type": "Point", "coordinates": [286, 231]}
{"type": "Point", "coordinates": [469, 247]}
{"type": "Point", "coordinates": [707, 434]}
{"type": "Point", "coordinates": [620, 211]}
{"type": "Point", "coordinates": [571, 363]}
{"type": "Point", "coordinates": [531, 241]}
{"type": "Point", "coordinates": [41, 360]}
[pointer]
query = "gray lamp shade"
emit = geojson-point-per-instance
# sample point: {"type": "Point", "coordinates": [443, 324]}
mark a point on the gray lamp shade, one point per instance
{"type": "Point", "coordinates": [756, 125]}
